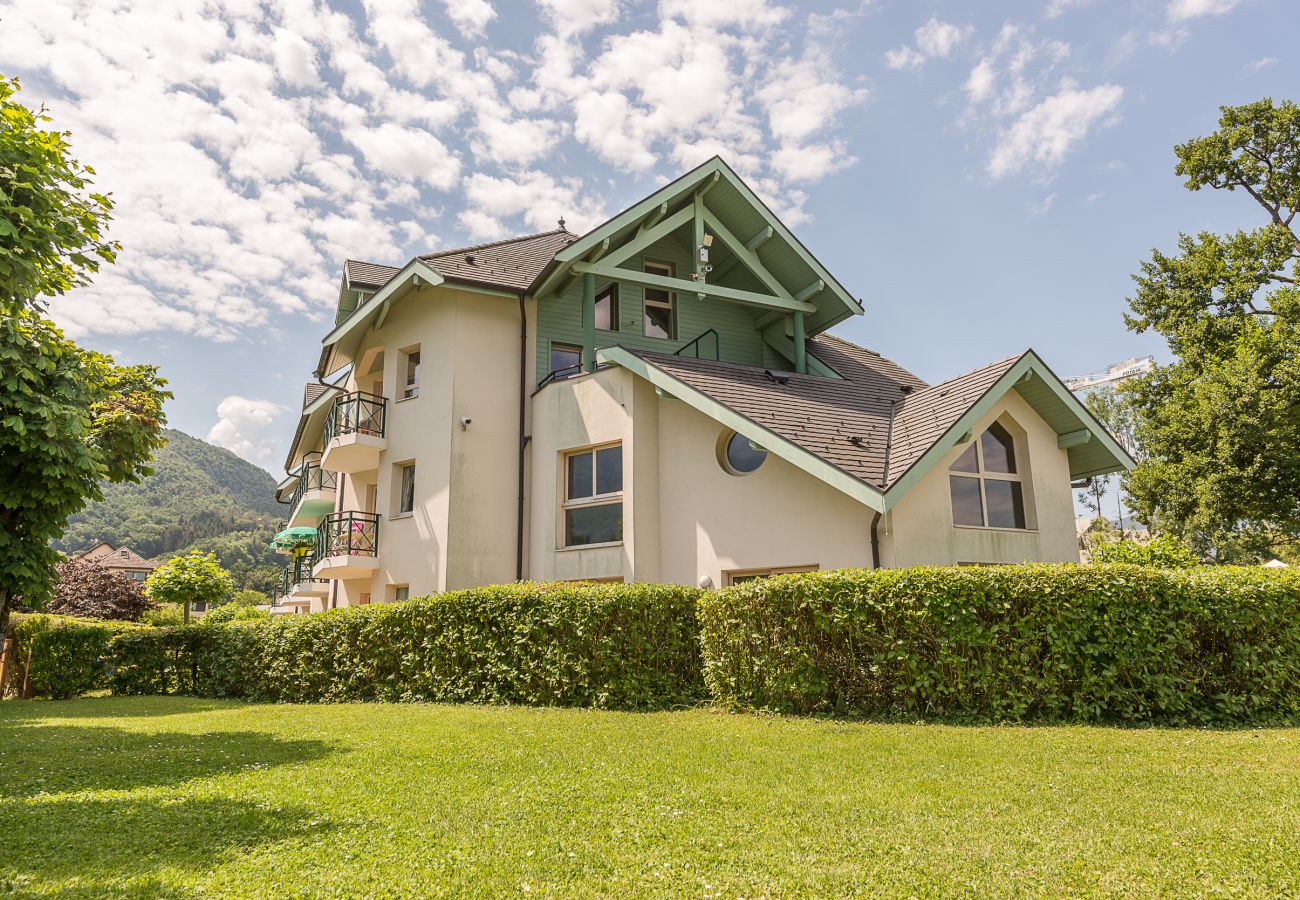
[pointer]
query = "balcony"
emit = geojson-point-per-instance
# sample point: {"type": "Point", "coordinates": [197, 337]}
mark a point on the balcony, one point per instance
{"type": "Point", "coordinates": [347, 546]}
{"type": "Point", "coordinates": [354, 433]}
{"type": "Point", "coordinates": [314, 496]}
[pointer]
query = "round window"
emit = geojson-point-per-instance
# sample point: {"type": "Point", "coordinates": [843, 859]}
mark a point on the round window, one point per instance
{"type": "Point", "coordinates": [739, 455]}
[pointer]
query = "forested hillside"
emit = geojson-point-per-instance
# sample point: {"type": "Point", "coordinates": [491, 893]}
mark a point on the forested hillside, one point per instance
{"type": "Point", "coordinates": [199, 497]}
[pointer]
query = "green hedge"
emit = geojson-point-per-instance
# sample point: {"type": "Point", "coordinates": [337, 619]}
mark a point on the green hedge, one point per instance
{"type": "Point", "coordinates": [1102, 643]}
{"type": "Point", "coordinates": [68, 656]}
{"type": "Point", "coordinates": [609, 646]}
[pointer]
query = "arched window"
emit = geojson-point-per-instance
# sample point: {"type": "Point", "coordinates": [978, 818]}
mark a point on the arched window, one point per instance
{"type": "Point", "coordinates": [985, 483]}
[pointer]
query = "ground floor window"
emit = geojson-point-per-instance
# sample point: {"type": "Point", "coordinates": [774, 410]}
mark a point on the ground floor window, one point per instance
{"type": "Point", "coordinates": [740, 576]}
{"type": "Point", "coordinates": [401, 592]}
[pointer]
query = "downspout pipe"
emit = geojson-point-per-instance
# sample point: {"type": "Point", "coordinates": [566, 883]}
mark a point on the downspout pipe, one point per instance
{"type": "Point", "coordinates": [875, 541]}
{"type": "Point", "coordinates": [889, 446]}
{"type": "Point", "coordinates": [523, 438]}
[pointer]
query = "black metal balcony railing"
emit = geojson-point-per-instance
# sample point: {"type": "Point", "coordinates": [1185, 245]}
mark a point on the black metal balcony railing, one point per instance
{"type": "Point", "coordinates": [357, 413]}
{"type": "Point", "coordinates": [694, 348]}
{"type": "Point", "coordinates": [348, 534]}
{"type": "Point", "coordinates": [312, 478]}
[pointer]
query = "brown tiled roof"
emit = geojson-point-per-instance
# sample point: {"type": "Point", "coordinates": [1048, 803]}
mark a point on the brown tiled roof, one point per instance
{"type": "Point", "coordinates": [312, 392]}
{"type": "Point", "coordinates": [844, 422]}
{"type": "Point", "coordinates": [367, 275]}
{"type": "Point", "coordinates": [924, 416]}
{"type": "Point", "coordinates": [123, 558]}
{"type": "Point", "coordinates": [512, 263]}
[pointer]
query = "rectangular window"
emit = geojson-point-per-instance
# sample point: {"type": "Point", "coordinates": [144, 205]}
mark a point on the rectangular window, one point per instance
{"type": "Point", "coordinates": [607, 308]}
{"type": "Point", "coordinates": [592, 502]}
{"type": "Point", "coordinates": [411, 373]}
{"type": "Point", "coordinates": [660, 322]}
{"type": "Point", "coordinates": [401, 592]}
{"type": "Point", "coordinates": [566, 360]}
{"type": "Point", "coordinates": [406, 489]}
{"type": "Point", "coordinates": [740, 576]}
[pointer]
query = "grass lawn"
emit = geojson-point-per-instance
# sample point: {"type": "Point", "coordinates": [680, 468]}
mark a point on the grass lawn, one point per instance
{"type": "Point", "coordinates": [178, 797]}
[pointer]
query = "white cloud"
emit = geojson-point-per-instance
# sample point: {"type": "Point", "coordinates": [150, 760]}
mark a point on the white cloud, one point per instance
{"type": "Point", "coordinates": [1042, 136]}
{"type": "Point", "coordinates": [1057, 8]}
{"type": "Point", "coordinates": [1262, 63]}
{"type": "Point", "coordinates": [1182, 10]}
{"type": "Point", "coordinates": [247, 428]}
{"type": "Point", "coordinates": [470, 16]}
{"type": "Point", "coordinates": [935, 39]}
{"type": "Point", "coordinates": [979, 84]}
{"type": "Point", "coordinates": [1041, 207]}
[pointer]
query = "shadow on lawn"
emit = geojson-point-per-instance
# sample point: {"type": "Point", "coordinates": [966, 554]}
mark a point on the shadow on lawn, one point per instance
{"type": "Point", "coordinates": [89, 845]}
{"type": "Point", "coordinates": [47, 757]}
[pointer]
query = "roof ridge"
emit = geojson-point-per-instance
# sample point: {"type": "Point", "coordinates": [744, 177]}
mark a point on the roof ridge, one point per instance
{"type": "Point", "coordinates": [497, 243]}
{"type": "Point", "coordinates": [947, 381]}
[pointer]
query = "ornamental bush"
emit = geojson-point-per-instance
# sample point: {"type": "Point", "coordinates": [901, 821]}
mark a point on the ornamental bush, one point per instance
{"type": "Point", "coordinates": [67, 656]}
{"type": "Point", "coordinates": [1097, 643]}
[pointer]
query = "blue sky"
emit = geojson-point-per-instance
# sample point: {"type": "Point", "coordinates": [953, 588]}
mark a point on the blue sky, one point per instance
{"type": "Point", "coordinates": [985, 176]}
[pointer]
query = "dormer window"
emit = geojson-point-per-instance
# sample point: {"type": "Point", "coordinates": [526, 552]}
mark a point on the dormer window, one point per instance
{"type": "Point", "coordinates": [985, 483]}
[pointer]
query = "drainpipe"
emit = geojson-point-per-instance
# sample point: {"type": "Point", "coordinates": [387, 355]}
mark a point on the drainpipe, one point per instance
{"type": "Point", "coordinates": [523, 438]}
{"type": "Point", "coordinates": [875, 541]}
{"type": "Point", "coordinates": [589, 322]}
{"type": "Point", "coordinates": [800, 345]}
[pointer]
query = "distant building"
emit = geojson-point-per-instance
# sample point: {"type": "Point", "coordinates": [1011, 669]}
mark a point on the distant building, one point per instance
{"type": "Point", "coordinates": [123, 560]}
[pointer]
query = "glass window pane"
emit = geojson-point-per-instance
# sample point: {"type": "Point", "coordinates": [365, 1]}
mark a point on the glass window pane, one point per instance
{"type": "Point", "coordinates": [579, 476]}
{"type": "Point", "coordinates": [609, 470]}
{"type": "Point", "coordinates": [408, 489]}
{"type": "Point", "coordinates": [565, 359]}
{"type": "Point", "coordinates": [593, 524]}
{"type": "Point", "coordinates": [999, 450]}
{"type": "Point", "coordinates": [607, 309]}
{"type": "Point", "coordinates": [967, 462]}
{"type": "Point", "coordinates": [1006, 503]}
{"type": "Point", "coordinates": [742, 455]}
{"type": "Point", "coordinates": [658, 321]}
{"type": "Point", "coordinates": [967, 509]}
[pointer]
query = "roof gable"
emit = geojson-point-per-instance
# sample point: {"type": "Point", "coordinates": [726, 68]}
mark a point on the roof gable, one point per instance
{"type": "Point", "coordinates": [877, 430]}
{"type": "Point", "coordinates": [748, 239]}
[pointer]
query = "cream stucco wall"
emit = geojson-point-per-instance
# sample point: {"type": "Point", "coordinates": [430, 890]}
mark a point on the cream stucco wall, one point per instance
{"type": "Point", "coordinates": [919, 530]}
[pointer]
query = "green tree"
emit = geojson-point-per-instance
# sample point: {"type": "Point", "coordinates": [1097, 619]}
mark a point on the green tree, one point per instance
{"type": "Point", "coordinates": [1218, 426]}
{"type": "Point", "coordinates": [69, 418]}
{"type": "Point", "coordinates": [249, 597]}
{"type": "Point", "coordinates": [86, 589]}
{"type": "Point", "coordinates": [1163, 552]}
{"type": "Point", "coordinates": [196, 578]}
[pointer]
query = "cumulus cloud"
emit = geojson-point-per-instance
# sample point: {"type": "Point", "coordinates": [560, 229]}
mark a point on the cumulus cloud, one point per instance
{"type": "Point", "coordinates": [250, 147]}
{"type": "Point", "coordinates": [935, 39]}
{"type": "Point", "coordinates": [246, 427]}
{"type": "Point", "coordinates": [1043, 135]}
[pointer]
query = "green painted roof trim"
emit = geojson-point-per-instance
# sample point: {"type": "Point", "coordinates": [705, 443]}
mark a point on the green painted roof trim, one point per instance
{"type": "Point", "coordinates": [709, 173]}
{"type": "Point", "coordinates": [725, 415]}
{"type": "Point", "coordinates": [375, 302]}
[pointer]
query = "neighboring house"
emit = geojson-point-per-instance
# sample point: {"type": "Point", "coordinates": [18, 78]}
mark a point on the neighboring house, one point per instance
{"type": "Point", "coordinates": [658, 400]}
{"type": "Point", "coordinates": [123, 560]}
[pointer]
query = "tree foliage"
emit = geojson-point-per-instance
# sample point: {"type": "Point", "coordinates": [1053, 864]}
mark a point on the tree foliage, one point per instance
{"type": "Point", "coordinates": [1218, 427]}
{"type": "Point", "coordinates": [86, 589]}
{"type": "Point", "coordinates": [51, 224]}
{"type": "Point", "coordinates": [1163, 551]}
{"type": "Point", "coordinates": [248, 597]}
{"type": "Point", "coordinates": [70, 419]}
{"type": "Point", "coordinates": [196, 578]}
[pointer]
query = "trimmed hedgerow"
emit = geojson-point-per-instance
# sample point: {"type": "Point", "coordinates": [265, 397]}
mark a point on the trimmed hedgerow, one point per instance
{"type": "Point", "coordinates": [608, 646]}
{"type": "Point", "coordinates": [1107, 643]}
{"type": "Point", "coordinates": [68, 656]}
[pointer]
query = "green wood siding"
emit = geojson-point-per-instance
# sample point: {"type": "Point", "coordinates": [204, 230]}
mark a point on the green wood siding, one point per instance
{"type": "Point", "coordinates": [559, 317]}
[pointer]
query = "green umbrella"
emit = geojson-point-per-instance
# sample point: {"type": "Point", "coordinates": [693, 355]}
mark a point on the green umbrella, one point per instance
{"type": "Point", "coordinates": [300, 536]}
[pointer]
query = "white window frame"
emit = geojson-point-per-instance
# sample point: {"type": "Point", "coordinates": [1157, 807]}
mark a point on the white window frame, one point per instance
{"type": "Point", "coordinates": [409, 389]}
{"type": "Point", "coordinates": [399, 475]}
{"type": "Point", "coordinates": [612, 498]}
{"type": "Point", "coordinates": [983, 475]}
{"type": "Point", "coordinates": [666, 269]}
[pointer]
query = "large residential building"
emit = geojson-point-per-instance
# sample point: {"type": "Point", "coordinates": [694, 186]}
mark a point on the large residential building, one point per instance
{"type": "Point", "coordinates": [657, 400]}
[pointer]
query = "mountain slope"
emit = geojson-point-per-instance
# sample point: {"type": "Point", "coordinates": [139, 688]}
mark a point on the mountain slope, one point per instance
{"type": "Point", "coordinates": [199, 497]}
